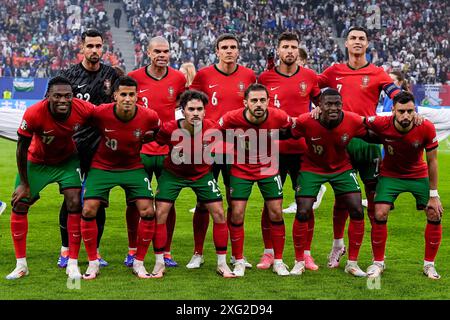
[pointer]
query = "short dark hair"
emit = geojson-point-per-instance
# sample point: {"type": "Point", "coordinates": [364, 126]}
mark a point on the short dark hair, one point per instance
{"type": "Point", "coordinates": [57, 80]}
{"type": "Point", "coordinates": [91, 33]}
{"type": "Point", "coordinates": [403, 97]}
{"type": "Point", "coordinates": [302, 53]}
{"type": "Point", "coordinates": [189, 95]}
{"type": "Point", "coordinates": [329, 92]}
{"type": "Point", "coordinates": [288, 36]}
{"type": "Point", "coordinates": [124, 81]}
{"type": "Point", "coordinates": [226, 36]}
{"type": "Point", "coordinates": [357, 28]}
{"type": "Point", "coordinates": [255, 87]}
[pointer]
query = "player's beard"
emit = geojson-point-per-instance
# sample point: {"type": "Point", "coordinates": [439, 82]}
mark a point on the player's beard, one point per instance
{"type": "Point", "coordinates": [257, 116]}
{"type": "Point", "coordinates": [288, 62]}
{"type": "Point", "coordinates": [93, 58]}
{"type": "Point", "coordinates": [404, 123]}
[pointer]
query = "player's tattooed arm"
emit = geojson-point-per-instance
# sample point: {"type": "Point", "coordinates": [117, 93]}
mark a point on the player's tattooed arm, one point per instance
{"type": "Point", "coordinates": [23, 189]}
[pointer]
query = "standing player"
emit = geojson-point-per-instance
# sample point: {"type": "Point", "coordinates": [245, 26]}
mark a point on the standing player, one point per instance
{"type": "Point", "coordinates": [360, 84]}
{"type": "Point", "coordinates": [253, 124]}
{"type": "Point", "coordinates": [159, 87]}
{"type": "Point", "coordinates": [124, 127]}
{"type": "Point", "coordinates": [45, 135]}
{"type": "Point", "coordinates": [404, 170]}
{"type": "Point", "coordinates": [194, 134]}
{"type": "Point", "coordinates": [91, 81]}
{"type": "Point", "coordinates": [291, 88]}
{"type": "Point", "coordinates": [327, 160]}
{"type": "Point", "coordinates": [225, 84]}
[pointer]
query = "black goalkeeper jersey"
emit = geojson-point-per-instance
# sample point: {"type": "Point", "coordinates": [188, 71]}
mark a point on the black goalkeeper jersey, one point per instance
{"type": "Point", "coordinates": [92, 86]}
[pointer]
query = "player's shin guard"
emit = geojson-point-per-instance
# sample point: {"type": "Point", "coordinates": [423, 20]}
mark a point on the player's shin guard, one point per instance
{"type": "Point", "coordinates": [74, 231]}
{"type": "Point", "coordinates": [311, 223]}
{"type": "Point", "coordinates": [378, 238]}
{"type": "Point", "coordinates": [340, 215]}
{"type": "Point", "coordinates": [266, 229]}
{"type": "Point", "coordinates": [355, 238]}
{"type": "Point", "coordinates": [132, 217]}
{"type": "Point", "coordinates": [146, 231]}
{"type": "Point", "coordinates": [89, 232]}
{"type": "Point", "coordinates": [300, 236]}
{"type": "Point", "coordinates": [200, 222]}
{"type": "Point", "coordinates": [237, 240]}
{"type": "Point", "coordinates": [170, 224]}
{"type": "Point", "coordinates": [19, 231]}
{"type": "Point", "coordinates": [160, 238]}
{"type": "Point", "coordinates": [433, 236]}
{"type": "Point", "coordinates": [220, 237]}
{"type": "Point", "coordinates": [278, 233]}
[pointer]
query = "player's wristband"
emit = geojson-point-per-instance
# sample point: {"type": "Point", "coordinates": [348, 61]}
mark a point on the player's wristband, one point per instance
{"type": "Point", "coordinates": [434, 193]}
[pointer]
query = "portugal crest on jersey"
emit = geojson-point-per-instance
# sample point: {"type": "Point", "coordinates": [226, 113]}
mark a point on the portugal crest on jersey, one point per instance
{"type": "Point", "coordinates": [171, 91]}
{"type": "Point", "coordinates": [76, 127]}
{"type": "Point", "coordinates": [241, 86]}
{"type": "Point", "coordinates": [303, 87]}
{"type": "Point", "coordinates": [416, 144]}
{"type": "Point", "coordinates": [137, 133]}
{"type": "Point", "coordinates": [365, 81]}
{"type": "Point", "coordinates": [344, 138]}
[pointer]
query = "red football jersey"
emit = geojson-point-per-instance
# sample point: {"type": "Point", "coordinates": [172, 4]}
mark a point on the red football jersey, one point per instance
{"type": "Point", "coordinates": [292, 94]}
{"type": "Point", "coordinates": [159, 95]}
{"type": "Point", "coordinates": [225, 91]}
{"type": "Point", "coordinates": [360, 88]}
{"type": "Point", "coordinates": [185, 149]}
{"type": "Point", "coordinates": [260, 162]}
{"type": "Point", "coordinates": [403, 152]}
{"type": "Point", "coordinates": [120, 145]}
{"type": "Point", "coordinates": [52, 139]}
{"type": "Point", "coordinates": [327, 148]}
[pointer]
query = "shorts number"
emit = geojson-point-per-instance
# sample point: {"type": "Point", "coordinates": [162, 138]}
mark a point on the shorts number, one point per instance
{"type": "Point", "coordinates": [148, 183]}
{"type": "Point", "coordinates": [353, 175]}
{"type": "Point", "coordinates": [145, 100]}
{"type": "Point", "coordinates": [339, 87]}
{"type": "Point", "coordinates": [214, 187]}
{"type": "Point", "coordinates": [48, 139]}
{"type": "Point", "coordinates": [277, 179]}
{"type": "Point", "coordinates": [111, 143]}
{"type": "Point", "coordinates": [318, 149]}
{"type": "Point", "coordinates": [85, 97]}
{"type": "Point", "coordinates": [276, 102]}
{"type": "Point", "coordinates": [81, 175]}
{"type": "Point", "coordinates": [377, 166]}
{"type": "Point", "coordinates": [214, 101]}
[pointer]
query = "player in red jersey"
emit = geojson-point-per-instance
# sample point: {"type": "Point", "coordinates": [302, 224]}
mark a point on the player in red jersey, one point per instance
{"type": "Point", "coordinates": [360, 84]}
{"type": "Point", "coordinates": [255, 127]}
{"type": "Point", "coordinates": [327, 160]}
{"type": "Point", "coordinates": [188, 139]}
{"type": "Point", "coordinates": [124, 127]}
{"type": "Point", "coordinates": [225, 84]}
{"type": "Point", "coordinates": [404, 170]}
{"type": "Point", "coordinates": [291, 88]}
{"type": "Point", "coordinates": [159, 87]}
{"type": "Point", "coordinates": [46, 154]}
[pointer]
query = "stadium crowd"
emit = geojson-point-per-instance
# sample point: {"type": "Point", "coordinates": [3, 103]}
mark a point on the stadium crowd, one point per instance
{"type": "Point", "coordinates": [39, 38]}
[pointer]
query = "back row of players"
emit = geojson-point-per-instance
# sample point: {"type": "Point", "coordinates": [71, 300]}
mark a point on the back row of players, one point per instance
{"type": "Point", "coordinates": [283, 92]}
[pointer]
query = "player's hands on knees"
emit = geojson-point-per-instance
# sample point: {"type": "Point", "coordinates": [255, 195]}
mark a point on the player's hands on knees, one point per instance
{"type": "Point", "coordinates": [315, 113]}
{"type": "Point", "coordinates": [418, 119]}
{"type": "Point", "coordinates": [435, 204]}
{"type": "Point", "coordinates": [22, 191]}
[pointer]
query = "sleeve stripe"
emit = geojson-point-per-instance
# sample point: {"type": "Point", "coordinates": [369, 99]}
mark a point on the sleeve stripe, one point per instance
{"type": "Point", "coordinates": [391, 90]}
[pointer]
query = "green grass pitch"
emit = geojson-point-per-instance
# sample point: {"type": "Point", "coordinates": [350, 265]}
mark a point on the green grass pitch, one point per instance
{"type": "Point", "coordinates": [403, 278]}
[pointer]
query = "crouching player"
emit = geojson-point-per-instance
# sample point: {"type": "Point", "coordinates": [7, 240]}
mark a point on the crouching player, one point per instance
{"type": "Point", "coordinates": [184, 167]}
{"type": "Point", "coordinates": [404, 170]}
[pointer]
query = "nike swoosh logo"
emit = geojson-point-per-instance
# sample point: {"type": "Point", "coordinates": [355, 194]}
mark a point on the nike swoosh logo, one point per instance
{"type": "Point", "coordinates": [109, 130]}
{"type": "Point", "coordinates": [76, 235]}
{"type": "Point", "coordinates": [213, 85]}
{"type": "Point", "coordinates": [140, 91]}
{"type": "Point", "coordinates": [81, 85]}
{"type": "Point", "coordinates": [271, 89]}
{"type": "Point", "coordinates": [146, 240]}
{"type": "Point", "coordinates": [88, 239]}
{"type": "Point", "coordinates": [314, 139]}
{"type": "Point", "coordinates": [280, 193]}
{"type": "Point", "coordinates": [47, 132]}
{"type": "Point", "coordinates": [17, 234]}
{"type": "Point", "coordinates": [234, 240]}
{"type": "Point", "coordinates": [339, 78]}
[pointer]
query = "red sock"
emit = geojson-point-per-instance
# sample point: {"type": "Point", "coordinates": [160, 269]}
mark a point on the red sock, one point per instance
{"type": "Point", "coordinates": [355, 238]}
{"type": "Point", "coordinates": [379, 237]}
{"type": "Point", "coordinates": [265, 228]}
{"type": "Point", "coordinates": [220, 236]}
{"type": "Point", "coordinates": [19, 231]}
{"type": "Point", "coordinates": [132, 217]}
{"type": "Point", "coordinates": [237, 240]}
{"type": "Point", "coordinates": [433, 236]}
{"type": "Point", "coordinates": [340, 216]}
{"type": "Point", "coordinates": [170, 223]}
{"type": "Point", "coordinates": [300, 235]}
{"type": "Point", "coordinates": [74, 232]}
{"type": "Point", "coordinates": [89, 232]}
{"type": "Point", "coordinates": [200, 223]}
{"type": "Point", "coordinates": [146, 230]}
{"type": "Point", "coordinates": [160, 238]}
{"type": "Point", "coordinates": [278, 233]}
{"type": "Point", "coordinates": [311, 223]}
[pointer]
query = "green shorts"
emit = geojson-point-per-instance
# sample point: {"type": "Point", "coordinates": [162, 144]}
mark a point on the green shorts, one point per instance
{"type": "Point", "coordinates": [135, 182]}
{"type": "Point", "coordinates": [271, 188]}
{"type": "Point", "coordinates": [290, 163]}
{"type": "Point", "coordinates": [343, 182]}
{"type": "Point", "coordinates": [170, 186]}
{"type": "Point", "coordinates": [153, 164]}
{"type": "Point", "coordinates": [66, 174]}
{"type": "Point", "coordinates": [224, 168]}
{"type": "Point", "coordinates": [365, 157]}
{"type": "Point", "coordinates": [388, 190]}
